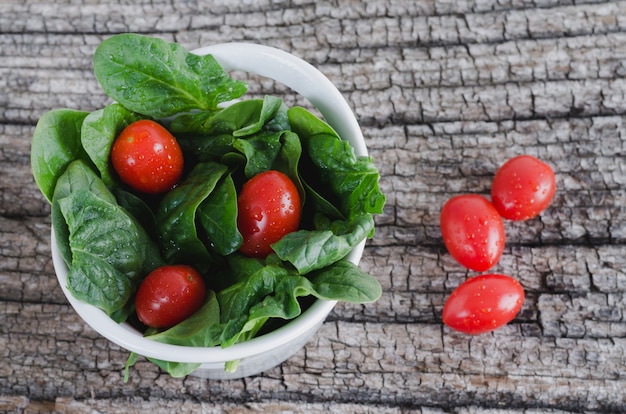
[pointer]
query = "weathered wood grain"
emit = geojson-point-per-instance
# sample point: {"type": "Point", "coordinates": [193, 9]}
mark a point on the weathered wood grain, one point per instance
{"type": "Point", "coordinates": [445, 91]}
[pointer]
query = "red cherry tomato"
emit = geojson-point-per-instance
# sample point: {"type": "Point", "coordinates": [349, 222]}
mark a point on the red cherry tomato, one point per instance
{"type": "Point", "coordinates": [473, 231]}
{"type": "Point", "coordinates": [169, 295]}
{"type": "Point", "coordinates": [483, 303]}
{"type": "Point", "coordinates": [268, 208]}
{"type": "Point", "coordinates": [522, 188]}
{"type": "Point", "coordinates": [147, 157]}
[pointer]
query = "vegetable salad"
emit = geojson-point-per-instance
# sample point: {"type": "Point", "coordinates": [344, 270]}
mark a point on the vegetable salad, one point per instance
{"type": "Point", "coordinates": [111, 236]}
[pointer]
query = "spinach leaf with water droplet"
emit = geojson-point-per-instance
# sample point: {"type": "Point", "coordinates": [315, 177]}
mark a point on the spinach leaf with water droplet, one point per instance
{"type": "Point", "coordinates": [159, 79]}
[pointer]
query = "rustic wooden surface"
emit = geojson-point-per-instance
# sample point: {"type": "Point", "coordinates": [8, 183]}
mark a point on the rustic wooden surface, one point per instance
{"type": "Point", "coordinates": [445, 91]}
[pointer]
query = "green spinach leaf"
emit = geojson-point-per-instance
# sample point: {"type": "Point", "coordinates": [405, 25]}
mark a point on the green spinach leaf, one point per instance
{"type": "Point", "coordinates": [78, 175]}
{"type": "Point", "coordinates": [317, 203]}
{"type": "Point", "coordinates": [176, 216]}
{"type": "Point", "coordinates": [344, 281]}
{"type": "Point", "coordinates": [273, 291]}
{"type": "Point", "coordinates": [261, 151]}
{"type": "Point", "coordinates": [203, 148]}
{"type": "Point", "coordinates": [309, 250]}
{"type": "Point", "coordinates": [352, 181]}
{"type": "Point", "coordinates": [139, 209]}
{"type": "Point", "coordinates": [270, 107]}
{"type": "Point", "coordinates": [110, 251]}
{"type": "Point", "coordinates": [191, 123]}
{"type": "Point", "coordinates": [279, 151]}
{"type": "Point", "coordinates": [56, 143]}
{"type": "Point", "coordinates": [237, 268]}
{"type": "Point", "coordinates": [217, 216]}
{"type": "Point", "coordinates": [236, 300]}
{"type": "Point", "coordinates": [202, 329]}
{"type": "Point", "coordinates": [283, 303]}
{"type": "Point", "coordinates": [99, 130]}
{"type": "Point", "coordinates": [238, 119]}
{"type": "Point", "coordinates": [160, 79]}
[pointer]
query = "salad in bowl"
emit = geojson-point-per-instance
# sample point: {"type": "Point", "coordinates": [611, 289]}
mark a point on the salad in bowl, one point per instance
{"type": "Point", "coordinates": [208, 232]}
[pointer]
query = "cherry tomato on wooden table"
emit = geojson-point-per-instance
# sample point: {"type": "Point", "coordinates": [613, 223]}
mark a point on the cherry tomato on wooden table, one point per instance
{"type": "Point", "coordinates": [169, 295]}
{"type": "Point", "coordinates": [483, 303]}
{"type": "Point", "coordinates": [147, 157]}
{"type": "Point", "coordinates": [268, 208]}
{"type": "Point", "coordinates": [522, 188]}
{"type": "Point", "coordinates": [472, 231]}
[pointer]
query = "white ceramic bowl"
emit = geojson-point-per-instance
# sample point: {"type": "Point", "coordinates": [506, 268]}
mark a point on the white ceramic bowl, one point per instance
{"type": "Point", "coordinates": [271, 349]}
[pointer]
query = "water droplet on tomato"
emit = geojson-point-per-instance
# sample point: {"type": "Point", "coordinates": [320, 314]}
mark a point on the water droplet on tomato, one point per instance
{"type": "Point", "coordinates": [257, 214]}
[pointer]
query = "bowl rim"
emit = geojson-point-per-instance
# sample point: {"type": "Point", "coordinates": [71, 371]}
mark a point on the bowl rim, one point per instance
{"type": "Point", "coordinates": [312, 84]}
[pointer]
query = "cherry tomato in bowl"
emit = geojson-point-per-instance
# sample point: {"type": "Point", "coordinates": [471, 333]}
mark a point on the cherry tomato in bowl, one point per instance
{"type": "Point", "coordinates": [268, 208]}
{"type": "Point", "coordinates": [472, 231]}
{"type": "Point", "coordinates": [169, 295]}
{"type": "Point", "coordinates": [522, 188]}
{"type": "Point", "coordinates": [483, 303]}
{"type": "Point", "coordinates": [147, 157]}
